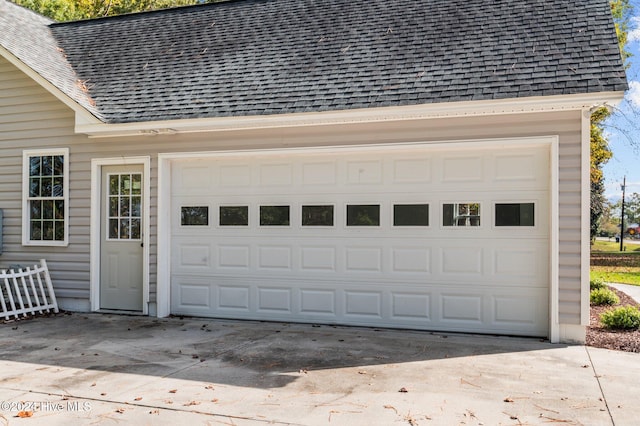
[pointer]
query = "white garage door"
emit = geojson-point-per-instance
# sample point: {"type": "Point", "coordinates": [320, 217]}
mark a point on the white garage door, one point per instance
{"type": "Point", "coordinates": [436, 237]}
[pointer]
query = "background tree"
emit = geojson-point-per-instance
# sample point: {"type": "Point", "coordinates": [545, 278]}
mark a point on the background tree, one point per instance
{"type": "Point", "coordinates": [70, 10]}
{"type": "Point", "coordinates": [600, 152]}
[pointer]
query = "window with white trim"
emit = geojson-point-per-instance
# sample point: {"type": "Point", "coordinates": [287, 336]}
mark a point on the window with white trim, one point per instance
{"type": "Point", "coordinates": [45, 197]}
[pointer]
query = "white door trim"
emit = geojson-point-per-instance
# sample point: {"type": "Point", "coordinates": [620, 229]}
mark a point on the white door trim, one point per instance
{"type": "Point", "coordinates": [96, 215]}
{"type": "Point", "coordinates": [164, 205]}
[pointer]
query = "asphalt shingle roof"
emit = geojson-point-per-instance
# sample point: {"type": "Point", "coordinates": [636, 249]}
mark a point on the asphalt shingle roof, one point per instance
{"type": "Point", "coordinates": [260, 57]}
{"type": "Point", "coordinates": [27, 36]}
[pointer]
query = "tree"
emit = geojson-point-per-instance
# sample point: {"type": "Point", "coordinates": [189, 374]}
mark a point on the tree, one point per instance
{"type": "Point", "coordinates": [70, 10]}
{"type": "Point", "coordinates": [600, 152]}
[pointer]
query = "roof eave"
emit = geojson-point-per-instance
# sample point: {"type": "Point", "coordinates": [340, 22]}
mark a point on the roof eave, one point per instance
{"type": "Point", "coordinates": [81, 113]}
{"type": "Point", "coordinates": [355, 116]}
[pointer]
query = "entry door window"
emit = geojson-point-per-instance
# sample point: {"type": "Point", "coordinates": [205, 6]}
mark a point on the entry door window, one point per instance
{"type": "Point", "coordinates": [125, 202]}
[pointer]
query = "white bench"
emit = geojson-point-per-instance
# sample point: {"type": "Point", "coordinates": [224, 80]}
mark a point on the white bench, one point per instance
{"type": "Point", "coordinates": [26, 291]}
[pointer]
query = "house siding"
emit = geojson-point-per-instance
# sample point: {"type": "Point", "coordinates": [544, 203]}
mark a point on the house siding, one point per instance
{"type": "Point", "coordinates": [32, 118]}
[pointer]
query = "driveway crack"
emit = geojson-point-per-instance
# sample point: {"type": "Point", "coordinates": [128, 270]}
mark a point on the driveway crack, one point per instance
{"type": "Point", "coordinates": [597, 376]}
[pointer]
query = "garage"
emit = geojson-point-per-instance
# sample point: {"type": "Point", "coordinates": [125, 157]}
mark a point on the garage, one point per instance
{"type": "Point", "coordinates": [433, 236]}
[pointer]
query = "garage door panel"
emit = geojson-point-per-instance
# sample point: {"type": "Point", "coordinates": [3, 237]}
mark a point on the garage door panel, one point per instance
{"type": "Point", "coordinates": [235, 256]}
{"type": "Point", "coordinates": [322, 302]}
{"type": "Point", "coordinates": [461, 260]}
{"type": "Point", "coordinates": [318, 259]}
{"type": "Point", "coordinates": [411, 306]}
{"type": "Point", "coordinates": [233, 298]}
{"type": "Point", "coordinates": [276, 174]}
{"type": "Point", "coordinates": [363, 303]}
{"type": "Point", "coordinates": [319, 173]}
{"type": "Point", "coordinates": [274, 257]}
{"type": "Point", "coordinates": [411, 170]}
{"type": "Point", "coordinates": [457, 169]}
{"type": "Point", "coordinates": [428, 276]}
{"type": "Point", "coordinates": [274, 299]}
{"type": "Point", "coordinates": [411, 260]}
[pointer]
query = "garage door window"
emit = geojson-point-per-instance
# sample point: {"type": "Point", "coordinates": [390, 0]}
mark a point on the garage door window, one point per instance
{"type": "Point", "coordinates": [194, 216]}
{"type": "Point", "coordinates": [461, 214]}
{"type": "Point", "coordinates": [514, 214]}
{"type": "Point", "coordinates": [317, 215]}
{"type": "Point", "coordinates": [363, 215]}
{"type": "Point", "coordinates": [234, 215]}
{"type": "Point", "coordinates": [274, 216]}
{"type": "Point", "coordinates": [411, 215]}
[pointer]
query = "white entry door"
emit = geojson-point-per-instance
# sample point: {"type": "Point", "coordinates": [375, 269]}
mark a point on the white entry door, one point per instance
{"type": "Point", "coordinates": [121, 247]}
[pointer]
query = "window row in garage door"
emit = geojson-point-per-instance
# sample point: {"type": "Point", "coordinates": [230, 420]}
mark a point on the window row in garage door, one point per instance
{"type": "Point", "coordinates": [453, 214]}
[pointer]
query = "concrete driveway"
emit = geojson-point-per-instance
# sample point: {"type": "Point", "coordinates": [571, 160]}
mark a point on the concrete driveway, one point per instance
{"type": "Point", "coordinates": [109, 369]}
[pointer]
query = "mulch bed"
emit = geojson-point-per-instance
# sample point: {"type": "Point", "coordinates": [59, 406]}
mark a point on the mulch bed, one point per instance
{"type": "Point", "coordinates": [600, 337]}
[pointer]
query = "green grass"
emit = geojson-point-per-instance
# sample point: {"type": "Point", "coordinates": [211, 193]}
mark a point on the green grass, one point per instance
{"type": "Point", "coordinates": [609, 246]}
{"type": "Point", "coordinates": [610, 275]}
{"type": "Point", "coordinates": [611, 265]}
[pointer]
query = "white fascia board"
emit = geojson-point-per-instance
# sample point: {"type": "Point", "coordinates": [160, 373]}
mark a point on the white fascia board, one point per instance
{"type": "Point", "coordinates": [81, 113]}
{"type": "Point", "coordinates": [364, 115]}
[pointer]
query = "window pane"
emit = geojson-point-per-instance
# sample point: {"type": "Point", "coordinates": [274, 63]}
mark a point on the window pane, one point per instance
{"type": "Point", "coordinates": [125, 184]}
{"type": "Point", "coordinates": [58, 209]}
{"type": "Point", "coordinates": [194, 216]}
{"type": "Point", "coordinates": [135, 206]}
{"type": "Point", "coordinates": [135, 229]}
{"type": "Point", "coordinates": [317, 215]}
{"type": "Point", "coordinates": [59, 230]}
{"type": "Point", "coordinates": [411, 215]}
{"type": "Point", "coordinates": [47, 209]}
{"type": "Point", "coordinates": [47, 230]}
{"type": "Point", "coordinates": [113, 228]}
{"type": "Point", "coordinates": [36, 230]}
{"type": "Point", "coordinates": [124, 229]}
{"type": "Point", "coordinates": [47, 187]}
{"type": "Point", "coordinates": [124, 206]}
{"type": "Point", "coordinates": [47, 165]}
{"type": "Point", "coordinates": [113, 206]}
{"type": "Point", "coordinates": [363, 215]}
{"type": "Point", "coordinates": [36, 209]}
{"type": "Point", "coordinates": [58, 190]}
{"type": "Point", "coordinates": [114, 184]}
{"type": "Point", "coordinates": [58, 165]}
{"type": "Point", "coordinates": [515, 214]}
{"type": "Point", "coordinates": [234, 215]}
{"type": "Point", "coordinates": [274, 215]}
{"type": "Point", "coordinates": [136, 184]}
{"type": "Point", "coordinates": [461, 214]}
{"type": "Point", "coordinates": [34, 187]}
{"type": "Point", "coordinates": [34, 166]}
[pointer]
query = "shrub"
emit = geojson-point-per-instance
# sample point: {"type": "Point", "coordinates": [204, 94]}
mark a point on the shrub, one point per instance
{"type": "Point", "coordinates": [596, 283]}
{"type": "Point", "coordinates": [623, 317]}
{"type": "Point", "coordinates": [603, 296]}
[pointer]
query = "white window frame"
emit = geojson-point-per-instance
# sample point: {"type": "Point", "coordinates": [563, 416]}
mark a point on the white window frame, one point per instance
{"type": "Point", "coordinates": [26, 211]}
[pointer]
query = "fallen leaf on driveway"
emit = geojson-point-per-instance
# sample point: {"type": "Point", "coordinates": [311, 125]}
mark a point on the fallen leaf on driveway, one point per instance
{"type": "Point", "coordinates": [188, 404]}
{"type": "Point", "coordinates": [507, 399]}
{"type": "Point", "coordinates": [24, 414]}
{"type": "Point", "coordinates": [391, 407]}
{"type": "Point", "coordinates": [403, 390]}
{"type": "Point", "coordinates": [138, 398]}
{"type": "Point", "coordinates": [120, 410]}
{"type": "Point", "coordinates": [173, 391]}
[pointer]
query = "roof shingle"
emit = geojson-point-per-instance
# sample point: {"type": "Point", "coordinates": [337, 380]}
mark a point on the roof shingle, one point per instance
{"type": "Point", "coordinates": [257, 57]}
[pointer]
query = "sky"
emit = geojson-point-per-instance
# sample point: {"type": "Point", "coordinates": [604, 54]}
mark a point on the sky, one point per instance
{"type": "Point", "coordinates": [623, 129]}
